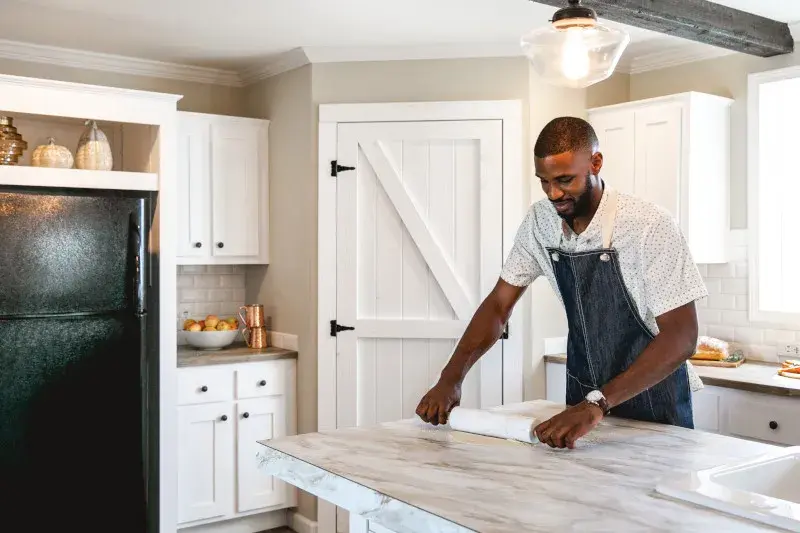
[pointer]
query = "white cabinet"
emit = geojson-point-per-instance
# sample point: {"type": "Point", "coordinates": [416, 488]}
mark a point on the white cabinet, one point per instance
{"type": "Point", "coordinates": [223, 411]}
{"type": "Point", "coordinates": [556, 382]}
{"type": "Point", "coordinates": [223, 208]}
{"type": "Point", "coordinates": [738, 413]}
{"type": "Point", "coordinates": [675, 152]}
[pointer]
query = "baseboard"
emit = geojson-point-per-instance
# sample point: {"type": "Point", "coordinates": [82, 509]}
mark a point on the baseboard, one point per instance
{"type": "Point", "coordinates": [247, 524]}
{"type": "Point", "coordinates": [301, 524]}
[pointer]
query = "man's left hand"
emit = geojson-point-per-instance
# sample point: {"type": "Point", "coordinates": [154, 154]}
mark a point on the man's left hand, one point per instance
{"type": "Point", "coordinates": [565, 428]}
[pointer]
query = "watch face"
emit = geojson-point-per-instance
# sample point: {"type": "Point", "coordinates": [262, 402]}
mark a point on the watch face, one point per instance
{"type": "Point", "coordinates": [595, 396]}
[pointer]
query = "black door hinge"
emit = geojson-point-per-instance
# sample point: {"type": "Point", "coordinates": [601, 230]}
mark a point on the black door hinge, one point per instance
{"type": "Point", "coordinates": [336, 168]}
{"type": "Point", "coordinates": [505, 332]}
{"type": "Point", "coordinates": [336, 328]}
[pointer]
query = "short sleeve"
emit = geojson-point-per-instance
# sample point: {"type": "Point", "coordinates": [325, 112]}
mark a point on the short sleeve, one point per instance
{"type": "Point", "coordinates": [521, 267]}
{"type": "Point", "coordinates": [672, 278]}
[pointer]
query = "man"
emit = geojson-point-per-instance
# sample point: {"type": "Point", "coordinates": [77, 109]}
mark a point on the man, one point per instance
{"type": "Point", "coordinates": [628, 284]}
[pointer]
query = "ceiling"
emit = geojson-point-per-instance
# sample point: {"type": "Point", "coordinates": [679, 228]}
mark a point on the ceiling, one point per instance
{"type": "Point", "coordinates": [243, 34]}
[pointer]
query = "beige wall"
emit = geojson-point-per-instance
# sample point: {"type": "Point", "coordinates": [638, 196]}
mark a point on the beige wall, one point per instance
{"type": "Point", "coordinates": [198, 97]}
{"type": "Point", "coordinates": [725, 76]}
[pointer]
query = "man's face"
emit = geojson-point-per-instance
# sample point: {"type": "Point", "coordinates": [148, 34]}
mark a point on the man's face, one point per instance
{"type": "Point", "coordinates": [568, 179]}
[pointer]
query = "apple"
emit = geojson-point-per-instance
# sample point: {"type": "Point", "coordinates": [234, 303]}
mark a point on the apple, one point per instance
{"type": "Point", "coordinates": [232, 321]}
{"type": "Point", "coordinates": [224, 326]}
{"type": "Point", "coordinates": [202, 324]}
{"type": "Point", "coordinates": [209, 328]}
{"type": "Point", "coordinates": [194, 327]}
{"type": "Point", "coordinates": [212, 321]}
{"type": "Point", "coordinates": [188, 322]}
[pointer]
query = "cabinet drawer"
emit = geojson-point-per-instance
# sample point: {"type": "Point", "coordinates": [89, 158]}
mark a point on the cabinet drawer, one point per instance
{"type": "Point", "coordinates": [204, 385]}
{"type": "Point", "coordinates": [261, 379]}
{"type": "Point", "coordinates": [768, 419]}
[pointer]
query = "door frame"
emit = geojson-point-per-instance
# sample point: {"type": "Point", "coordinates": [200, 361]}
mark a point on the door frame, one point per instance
{"type": "Point", "coordinates": [515, 196]}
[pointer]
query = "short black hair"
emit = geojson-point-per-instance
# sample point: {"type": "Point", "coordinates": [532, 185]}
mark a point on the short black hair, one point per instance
{"type": "Point", "coordinates": [565, 134]}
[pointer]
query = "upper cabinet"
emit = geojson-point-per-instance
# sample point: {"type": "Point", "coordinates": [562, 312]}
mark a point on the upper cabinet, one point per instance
{"type": "Point", "coordinates": [675, 152]}
{"type": "Point", "coordinates": [223, 188]}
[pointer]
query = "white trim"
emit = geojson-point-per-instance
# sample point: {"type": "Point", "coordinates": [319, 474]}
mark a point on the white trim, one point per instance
{"type": "Point", "coordinates": [74, 58]}
{"type": "Point", "coordinates": [669, 54]}
{"type": "Point", "coordinates": [443, 272]}
{"type": "Point", "coordinates": [754, 81]}
{"type": "Point", "coordinates": [301, 524]}
{"type": "Point", "coordinates": [255, 523]}
{"type": "Point", "coordinates": [510, 111]}
{"type": "Point", "coordinates": [347, 54]}
{"type": "Point", "coordinates": [77, 178]}
{"type": "Point", "coordinates": [290, 60]}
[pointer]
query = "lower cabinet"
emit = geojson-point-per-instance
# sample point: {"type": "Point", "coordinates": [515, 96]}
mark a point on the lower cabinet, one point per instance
{"type": "Point", "coordinates": [224, 410]}
{"type": "Point", "coordinates": [750, 415]}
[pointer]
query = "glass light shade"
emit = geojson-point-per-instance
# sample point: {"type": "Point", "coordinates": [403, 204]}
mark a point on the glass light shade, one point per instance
{"type": "Point", "coordinates": [574, 53]}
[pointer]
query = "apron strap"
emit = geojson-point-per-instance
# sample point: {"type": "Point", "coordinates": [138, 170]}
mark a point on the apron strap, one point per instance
{"type": "Point", "coordinates": [609, 216]}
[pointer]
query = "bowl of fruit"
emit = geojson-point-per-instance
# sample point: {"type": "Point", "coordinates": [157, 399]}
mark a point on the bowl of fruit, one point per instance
{"type": "Point", "coordinates": [211, 333]}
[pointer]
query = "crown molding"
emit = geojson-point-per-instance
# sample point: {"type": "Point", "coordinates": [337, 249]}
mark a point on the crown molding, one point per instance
{"type": "Point", "coordinates": [334, 54]}
{"type": "Point", "coordinates": [289, 60]}
{"type": "Point", "coordinates": [68, 57]}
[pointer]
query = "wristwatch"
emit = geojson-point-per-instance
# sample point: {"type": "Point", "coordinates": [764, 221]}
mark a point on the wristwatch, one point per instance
{"type": "Point", "coordinates": [597, 398]}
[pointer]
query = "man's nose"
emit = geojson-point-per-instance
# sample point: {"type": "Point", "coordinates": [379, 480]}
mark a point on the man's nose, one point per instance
{"type": "Point", "coordinates": [554, 193]}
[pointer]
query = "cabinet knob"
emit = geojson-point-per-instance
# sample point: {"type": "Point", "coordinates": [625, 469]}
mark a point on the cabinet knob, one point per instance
{"type": "Point", "coordinates": [198, 245]}
{"type": "Point", "coordinates": [773, 425]}
{"type": "Point", "coordinates": [203, 389]}
{"type": "Point", "coordinates": [262, 383]}
{"type": "Point", "coordinates": [223, 418]}
{"type": "Point", "coordinates": [245, 415]}
{"type": "Point", "coordinates": [220, 245]}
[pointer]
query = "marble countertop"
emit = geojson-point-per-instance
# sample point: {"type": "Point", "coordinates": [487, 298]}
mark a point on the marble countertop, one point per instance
{"type": "Point", "coordinates": [413, 478]}
{"type": "Point", "coordinates": [753, 377]}
{"type": "Point", "coordinates": [235, 353]}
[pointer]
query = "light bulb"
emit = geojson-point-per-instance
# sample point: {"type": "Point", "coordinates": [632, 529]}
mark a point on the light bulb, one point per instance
{"type": "Point", "coordinates": [574, 56]}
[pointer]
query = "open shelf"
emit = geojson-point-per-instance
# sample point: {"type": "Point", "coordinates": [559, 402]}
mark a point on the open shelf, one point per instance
{"type": "Point", "coordinates": [76, 178]}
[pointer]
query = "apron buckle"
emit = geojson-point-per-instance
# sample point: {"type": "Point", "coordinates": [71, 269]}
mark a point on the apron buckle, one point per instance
{"type": "Point", "coordinates": [554, 256]}
{"type": "Point", "coordinates": [605, 257]}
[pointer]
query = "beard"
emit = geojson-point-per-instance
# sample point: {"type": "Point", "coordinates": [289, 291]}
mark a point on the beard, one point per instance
{"type": "Point", "coordinates": [582, 202]}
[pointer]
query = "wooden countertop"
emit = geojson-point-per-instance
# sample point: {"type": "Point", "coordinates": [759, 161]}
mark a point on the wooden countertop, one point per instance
{"type": "Point", "coordinates": [235, 353]}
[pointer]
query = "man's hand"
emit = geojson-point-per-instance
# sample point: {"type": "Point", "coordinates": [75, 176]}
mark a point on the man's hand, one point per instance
{"type": "Point", "coordinates": [440, 400]}
{"type": "Point", "coordinates": [565, 428]}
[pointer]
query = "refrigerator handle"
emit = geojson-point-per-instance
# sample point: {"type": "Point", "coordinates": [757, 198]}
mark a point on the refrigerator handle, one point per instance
{"type": "Point", "coordinates": [140, 231]}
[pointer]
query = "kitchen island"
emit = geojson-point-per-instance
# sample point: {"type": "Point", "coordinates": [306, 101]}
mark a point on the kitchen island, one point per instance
{"type": "Point", "coordinates": [413, 478]}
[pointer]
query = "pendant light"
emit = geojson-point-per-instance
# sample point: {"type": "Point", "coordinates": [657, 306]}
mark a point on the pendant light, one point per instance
{"type": "Point", "coordinates": [574, 50]}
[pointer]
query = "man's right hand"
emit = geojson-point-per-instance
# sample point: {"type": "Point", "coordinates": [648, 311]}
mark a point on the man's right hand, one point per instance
{"type": "Point", "coordinates": [436, 405]}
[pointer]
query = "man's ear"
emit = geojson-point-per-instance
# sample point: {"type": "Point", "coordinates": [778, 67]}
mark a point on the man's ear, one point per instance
{"type": "Point", "coordinates": [597, 163]}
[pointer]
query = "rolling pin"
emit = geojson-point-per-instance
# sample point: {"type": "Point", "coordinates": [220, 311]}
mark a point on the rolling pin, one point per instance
{"type": "Point", "coordinates": [493, 424]}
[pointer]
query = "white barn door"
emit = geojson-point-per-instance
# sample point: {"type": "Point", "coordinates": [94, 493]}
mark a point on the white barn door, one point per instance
{"type": "Point", "coordinates": [419, 243]}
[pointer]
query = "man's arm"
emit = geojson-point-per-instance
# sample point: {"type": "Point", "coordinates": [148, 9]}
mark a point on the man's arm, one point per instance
{"type": "Point", "coordinates": [484, 329]}
{"type": "Point", "coordinates": [674, 344]}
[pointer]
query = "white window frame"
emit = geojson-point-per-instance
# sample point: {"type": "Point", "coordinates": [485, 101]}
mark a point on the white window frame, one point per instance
{"type": "Point", "coordinates": [754, 83]}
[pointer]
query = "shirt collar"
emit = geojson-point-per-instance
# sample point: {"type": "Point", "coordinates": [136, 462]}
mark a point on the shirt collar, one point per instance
{"type": "Point", "coordinates": [594, 224]}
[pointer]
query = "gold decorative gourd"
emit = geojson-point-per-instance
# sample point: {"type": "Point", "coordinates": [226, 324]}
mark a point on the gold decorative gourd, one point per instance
{"type": "Point", "coordinates": [52, 155]}
{"type": "Point", "coordinates": [94, 152]}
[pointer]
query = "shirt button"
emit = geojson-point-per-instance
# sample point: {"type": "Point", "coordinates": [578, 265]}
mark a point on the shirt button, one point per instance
{"type": "Point", "coordinates": [554, 256]}
{"type": "Point", "coordinates": [605, 257]}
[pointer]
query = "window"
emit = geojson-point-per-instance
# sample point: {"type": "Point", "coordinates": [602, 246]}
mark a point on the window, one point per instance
{"type": "Point", "coordinates": [774, 196]}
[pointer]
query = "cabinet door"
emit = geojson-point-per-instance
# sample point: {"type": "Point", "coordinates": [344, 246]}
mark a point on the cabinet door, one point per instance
{"type": "Point", "coordinates": [236, 188]}
{"type": "Point", "coordinates": [705, 406]}
{"type": "Point", "coordinates": [205, 461]}
{"type": "Point", "coordinates": [194, 187]}
{"type": "Point", "coordinates": [556, 382]}
{"type": "Point", "coordinates": [258, 419]}
{"type": "Point", "coordinates": [615, 131]}
{"type": "Point", "coordinates": [658, 155]}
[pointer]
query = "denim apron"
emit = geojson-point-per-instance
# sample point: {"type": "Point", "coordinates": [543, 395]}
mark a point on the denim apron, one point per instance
{"type": "Point", "coordinates": [607, 334]}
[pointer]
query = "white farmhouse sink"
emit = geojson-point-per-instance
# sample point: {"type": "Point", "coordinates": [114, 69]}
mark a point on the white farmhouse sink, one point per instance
{"type": "Point", "coordinates": [765, 489]}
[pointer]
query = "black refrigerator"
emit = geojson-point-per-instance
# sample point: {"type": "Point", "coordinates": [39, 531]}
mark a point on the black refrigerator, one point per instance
{"type": "Point", "coordinates": [78, 361]}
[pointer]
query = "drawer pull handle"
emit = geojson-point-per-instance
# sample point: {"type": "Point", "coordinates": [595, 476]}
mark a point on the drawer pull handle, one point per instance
{"type": "Point", "coordinates": [224, 418]}
{"type": "Point", "coordinates": [245, 415]}
{"type": "Point", "coordinates": [773, 425]}
{"type": "Point", "coordinates": [262, 383]}
{"type": "Point", "coordinates": [203, 389]}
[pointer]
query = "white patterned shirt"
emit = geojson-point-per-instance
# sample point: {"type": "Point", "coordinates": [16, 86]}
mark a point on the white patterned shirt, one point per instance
{"type": "Point", "coordinates": [656, 264]}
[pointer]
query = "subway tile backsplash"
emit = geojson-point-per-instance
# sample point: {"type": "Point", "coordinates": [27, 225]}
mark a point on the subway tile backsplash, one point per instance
{"type": "Point", "coordinates": [724, 313]}
{"type": "Point", "coordinates": [210, 289]}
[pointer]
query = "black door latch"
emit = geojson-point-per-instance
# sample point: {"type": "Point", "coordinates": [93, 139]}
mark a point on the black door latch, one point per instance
{"type": "Point", "coordinates": [336, 328]}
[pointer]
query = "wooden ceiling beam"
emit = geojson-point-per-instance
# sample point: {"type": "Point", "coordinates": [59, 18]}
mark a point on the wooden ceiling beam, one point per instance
{"type": "Point", "coordinates": [697, 20]}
